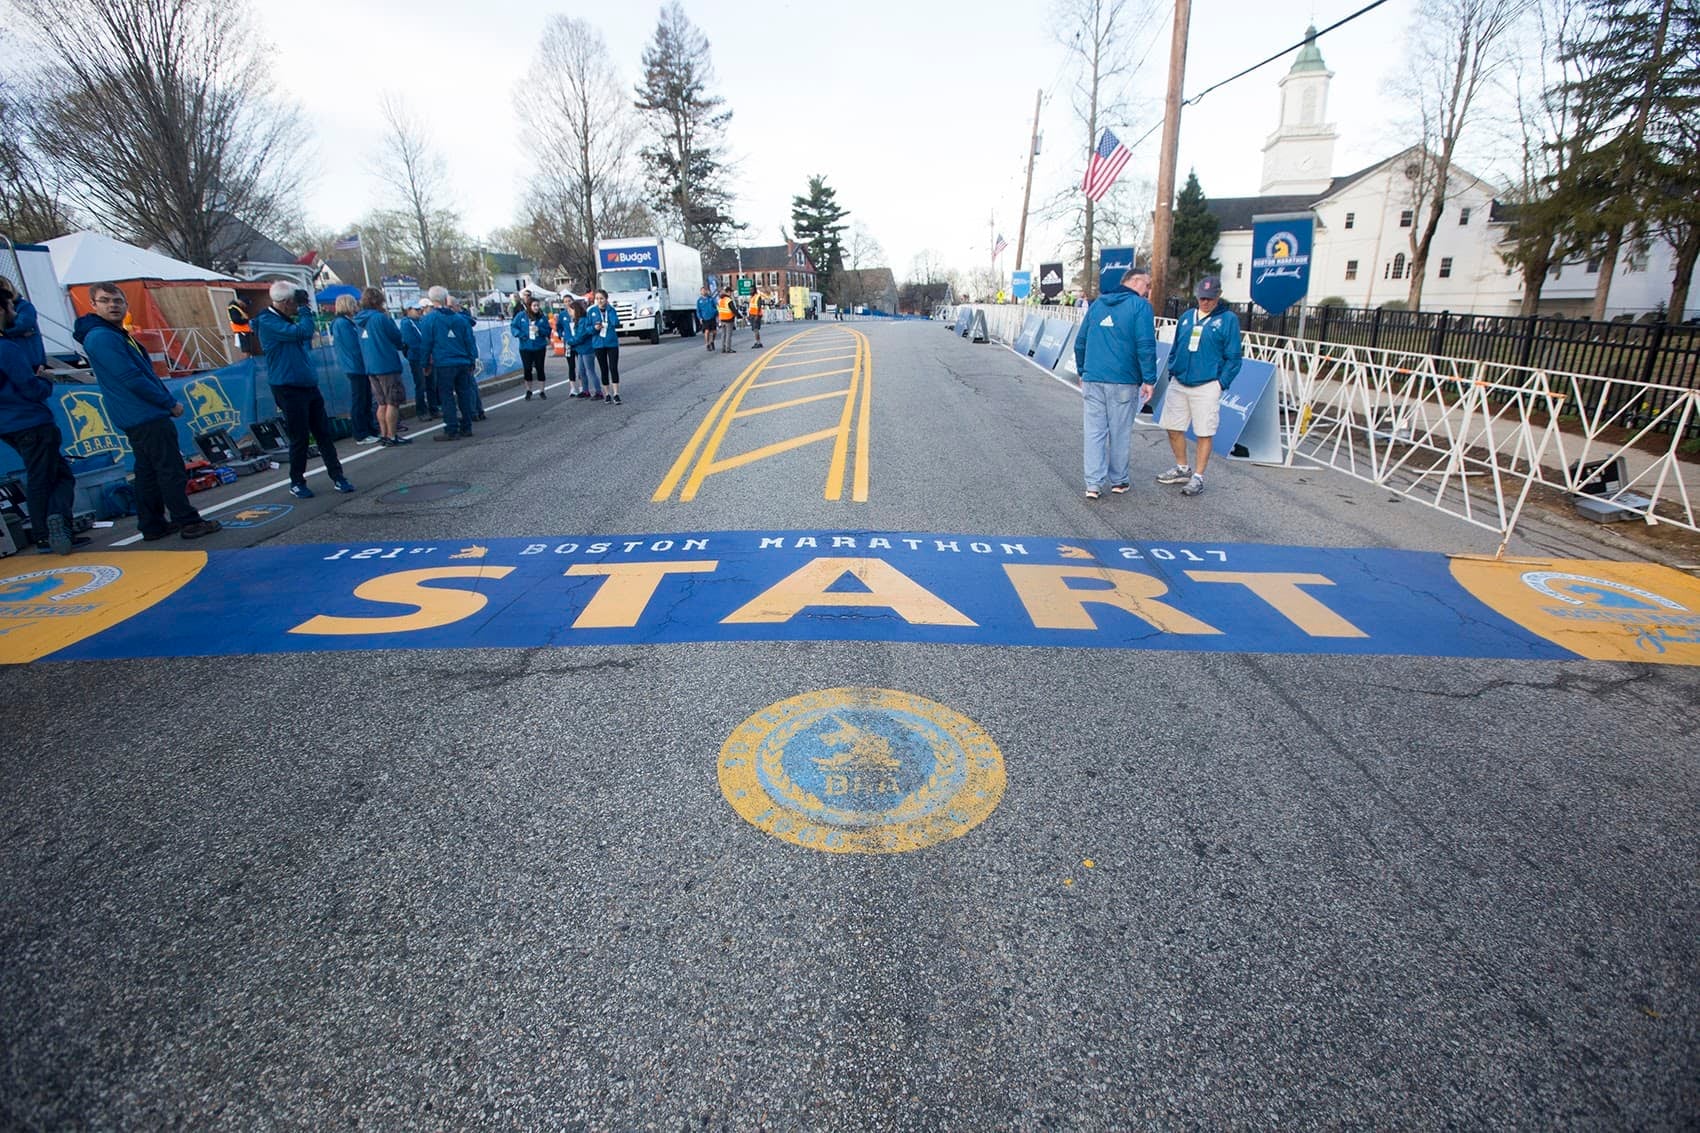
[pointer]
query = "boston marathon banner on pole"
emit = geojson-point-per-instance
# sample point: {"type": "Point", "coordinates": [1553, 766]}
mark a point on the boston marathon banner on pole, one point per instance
{"type": "Point", "coordinates": [840, 586]}
{"type": "Point", "coordinates": [1021, 285]}
{"type": "Point", "coordinates": [1280, 259]}
{"type": "Point", "coordinates": [1112, 265]}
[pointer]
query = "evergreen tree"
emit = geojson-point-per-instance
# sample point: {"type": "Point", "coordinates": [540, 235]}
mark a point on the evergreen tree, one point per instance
{"type": "Point", "coordinates": [1195, 231]}
{"type": "Point", "coordinates": [819, 224]}
{"type": "Point", "coordinates": [686, 162]}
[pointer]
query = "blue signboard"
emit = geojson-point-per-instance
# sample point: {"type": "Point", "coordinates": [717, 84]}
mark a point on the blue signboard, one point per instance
{"type": "Point", "coordinates": [1112, 265]}
{"type": "Point", "coordinates": [1031, 327]}
{"type": "Point", "coordinates": [1053, 340]}
{"type": "Point", "coordinates": [644, 257]}
{"type": "Point", "coordinates": [1280, 259]}
{"type": "Point", "coordinates": [965, 589]}
{"type": "Point", "coordinates": [1021, 285]}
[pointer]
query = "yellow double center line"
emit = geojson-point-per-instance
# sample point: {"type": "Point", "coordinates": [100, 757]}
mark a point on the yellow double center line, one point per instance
{"type": "Point", "coordinates": [701, 458]}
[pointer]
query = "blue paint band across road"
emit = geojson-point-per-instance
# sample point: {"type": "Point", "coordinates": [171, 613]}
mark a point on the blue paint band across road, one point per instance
{"type": "Point", "coordinates": [841, 586]}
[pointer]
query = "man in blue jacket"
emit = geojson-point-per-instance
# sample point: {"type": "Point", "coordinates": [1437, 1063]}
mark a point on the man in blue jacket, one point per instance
{"type": "Point", "coordinates": [26, 332]}
{"type": "Point", "coordinates": [707, 316]}
{"type": "Point", "coordinates": [413, 345]}
{"type": "Point", "coordinates": [286, 331]}
{"type": "Point", "coordinates": [450, 355]}
{"type": "Point", "coordinates": [1202, 364]}
{"type": "Point", "coordinates": [27, 425]}
{"type": "Point", "coordinates": [1116, 354]}
{"type": "Point", "coordinates": [138, 403]}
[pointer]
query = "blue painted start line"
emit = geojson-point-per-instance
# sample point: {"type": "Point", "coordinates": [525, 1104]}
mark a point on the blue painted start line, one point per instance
{"type": "Point", "coordinates": [841, 586]}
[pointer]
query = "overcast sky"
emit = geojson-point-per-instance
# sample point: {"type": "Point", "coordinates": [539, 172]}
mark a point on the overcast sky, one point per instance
{"type": "Point", "coordinates": [917, 111]}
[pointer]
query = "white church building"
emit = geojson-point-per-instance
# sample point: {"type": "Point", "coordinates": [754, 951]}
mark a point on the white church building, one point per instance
{"type": "Point", "coordinates": [1364, 221]}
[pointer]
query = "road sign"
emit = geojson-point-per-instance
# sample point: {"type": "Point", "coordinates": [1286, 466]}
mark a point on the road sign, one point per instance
{"type": "Point", "coordinates": [746, 287]}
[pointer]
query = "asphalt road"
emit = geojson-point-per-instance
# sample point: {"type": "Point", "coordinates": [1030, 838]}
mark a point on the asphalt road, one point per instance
{"type": "Point", "coordinates": [504, 888]}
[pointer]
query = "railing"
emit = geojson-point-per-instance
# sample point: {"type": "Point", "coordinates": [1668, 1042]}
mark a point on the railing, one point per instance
{"type": "Point", "coordinates": [186, 350]}
{"type": "Point", "coordinates": [1470, 437]}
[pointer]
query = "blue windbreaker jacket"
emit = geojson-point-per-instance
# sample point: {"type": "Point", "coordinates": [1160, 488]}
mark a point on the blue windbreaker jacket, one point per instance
{"type": "Point", "coordinates": [133, 392]}
{"type": "Point", "coordinates": [1117, 341]}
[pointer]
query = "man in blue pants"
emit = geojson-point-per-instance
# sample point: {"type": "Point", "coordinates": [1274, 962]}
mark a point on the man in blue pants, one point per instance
{"type": "Point", "coordinates": [450, 355]}
{"type": "Point", "coordinates": [1116, 354]}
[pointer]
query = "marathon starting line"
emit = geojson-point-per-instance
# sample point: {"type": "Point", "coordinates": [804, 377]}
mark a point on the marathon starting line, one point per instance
{"type": "Point", "coordinates": [841, 586]}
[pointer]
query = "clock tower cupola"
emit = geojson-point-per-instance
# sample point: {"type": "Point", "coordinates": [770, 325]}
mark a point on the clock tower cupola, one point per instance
{"type": "Point", "coordinates": [1298, 158]}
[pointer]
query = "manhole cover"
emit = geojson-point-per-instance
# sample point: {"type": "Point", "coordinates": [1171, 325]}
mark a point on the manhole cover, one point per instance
{"type": "Point", "coordinates": [424, 493]}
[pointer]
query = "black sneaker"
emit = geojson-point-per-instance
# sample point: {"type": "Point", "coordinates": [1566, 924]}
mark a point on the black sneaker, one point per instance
{"type": "Point", "coordinates": [544, 394]}
{"type": "Point", "coordinates": [617, 400]}
{"type": "Point", "coordinates": [155, 536]}
{"type": "Point", "coordinates": [528, 395]}
{"type": "Point", "coordinates": [58, 535]}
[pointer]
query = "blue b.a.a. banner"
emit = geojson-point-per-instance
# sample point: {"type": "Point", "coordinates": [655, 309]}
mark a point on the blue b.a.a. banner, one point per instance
{"type": "Point", "coordinates": [1021, 285]}
{"type": "Point", "coordinates": [1280, 259]}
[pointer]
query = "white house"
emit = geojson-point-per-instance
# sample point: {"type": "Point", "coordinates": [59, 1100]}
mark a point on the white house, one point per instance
{"type": "Point", "coordinates": [1364, 221]}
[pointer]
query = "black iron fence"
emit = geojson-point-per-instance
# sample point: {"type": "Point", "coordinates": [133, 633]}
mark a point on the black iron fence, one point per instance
{"type": "Point", "coordinates": [1659, 354]}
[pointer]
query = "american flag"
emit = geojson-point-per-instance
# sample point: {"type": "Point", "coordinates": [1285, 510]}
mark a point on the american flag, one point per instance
{"type": "Point", "coordinates": [1105, 166]}
{"type": "Point", "coordinates": [349, 243]}
{"type": "Point", "coordinates": [997, 248]}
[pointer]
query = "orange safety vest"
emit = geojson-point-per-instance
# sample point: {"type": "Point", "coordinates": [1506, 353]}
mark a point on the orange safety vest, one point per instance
{"type": "Point", "coordinates": [755, 306]}
{"type": "Point", "coordinates": [726, 314]}
{"type": "Point", "coordinates": [238, 319]}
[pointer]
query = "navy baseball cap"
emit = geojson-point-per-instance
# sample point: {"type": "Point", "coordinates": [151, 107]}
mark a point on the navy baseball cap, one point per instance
{"type": "Point", "coordinates": [1208, 288]}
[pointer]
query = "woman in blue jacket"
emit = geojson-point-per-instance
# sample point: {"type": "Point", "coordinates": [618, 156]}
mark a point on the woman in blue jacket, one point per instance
{"type": "Point", "coordinates": [581, 333]}
{"type": "Point", "coordinates": [531, 331]}
{"type": "Point", "coordinates": [606, 342]}
{"type": "Point", "coordinates": [345, 337]}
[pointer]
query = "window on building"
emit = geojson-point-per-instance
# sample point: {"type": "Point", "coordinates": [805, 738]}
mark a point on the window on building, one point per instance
{"type": "Point", "coordinates": [1406, 217]}
{"type": "Point", "coordinates": [1351, 220]}
{"type": "Point", "coordinates": [1239, 271]}
{"type": "Point", "coordinates": [1446, 267]}
{"type": "Point", "coordinates": [1594, 266]}
{"type": "Point", "coordinates": [1351, 269]}
{"type": "Point", "coordinates": [1399, 266]}
{"type": "Point", "coordinates": [1463, 217]}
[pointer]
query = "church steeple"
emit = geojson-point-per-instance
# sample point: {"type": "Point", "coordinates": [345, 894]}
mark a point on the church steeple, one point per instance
{"type": "Point", "coordinates": [1299, 156]}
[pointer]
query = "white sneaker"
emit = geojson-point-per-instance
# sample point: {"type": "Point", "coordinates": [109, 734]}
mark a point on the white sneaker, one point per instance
{"type": "Point", "coordinates": [1193, 486]}
{"type": "Point", "coordinates": [366, 441]}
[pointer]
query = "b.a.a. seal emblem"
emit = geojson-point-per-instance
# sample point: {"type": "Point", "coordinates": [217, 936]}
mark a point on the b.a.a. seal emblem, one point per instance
{"type": "Point", "coordinates": [861, 770]}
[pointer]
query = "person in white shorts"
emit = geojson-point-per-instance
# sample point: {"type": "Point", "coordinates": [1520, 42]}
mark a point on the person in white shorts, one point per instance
{"type": "Point", "coordinates": [1202, 363]}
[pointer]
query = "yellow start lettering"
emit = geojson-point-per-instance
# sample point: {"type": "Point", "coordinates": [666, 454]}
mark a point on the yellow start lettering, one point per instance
{"type": "Point", "coordinates": [1052, 604]}
{"type": "Point", "coordinates": [1281, 591]}
{"type": "Point", "coordinates": [620, 601]}
{"type": "Point", "coordinates": [433, 606]}
{"type": "Point", "coordinates": [888, 588]}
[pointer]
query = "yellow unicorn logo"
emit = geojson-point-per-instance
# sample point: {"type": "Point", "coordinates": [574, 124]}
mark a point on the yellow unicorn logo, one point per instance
{"type": "Point", "coordinates": [92, 433]}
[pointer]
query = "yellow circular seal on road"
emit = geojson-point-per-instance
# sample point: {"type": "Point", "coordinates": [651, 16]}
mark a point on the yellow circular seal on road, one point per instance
{"type": "Point", "coordinates": [861, 771]}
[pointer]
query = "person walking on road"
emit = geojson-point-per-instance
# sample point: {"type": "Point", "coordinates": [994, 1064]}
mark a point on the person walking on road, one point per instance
{"type": "Point", "coordinates": [531, 330]}
{"type": "Point", "coordinates": [345, 337]}
{"type": "Point", "coordinates": [727, 316]}
{"type": "Point", "coordinates": [1202, 365]}
{"type": "Point", "coordinates": [607, 344]}
{"type": "Point", "coordinates": [50, 487]}
{"type": "Point", "coordinates": [286, 331]}
{"type": "Point", "coordinates": [381, 346]}
{"type": "Point", "coordinates": [1116, 354]}
{"type": "Point", "coordinates": [707, 315]}
{"type": "Point", "coordinates": [140, 405]}
{"type": "Point", "coordinates": [413, 345]}
{"type": "Point", "coordinates": [450, 355]}
{"type": "Point", "coordinates": [582, 332]}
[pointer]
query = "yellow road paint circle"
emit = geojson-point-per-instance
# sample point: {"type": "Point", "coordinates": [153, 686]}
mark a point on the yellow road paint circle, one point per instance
{"type": "Point", "coordinates": [861, 771]}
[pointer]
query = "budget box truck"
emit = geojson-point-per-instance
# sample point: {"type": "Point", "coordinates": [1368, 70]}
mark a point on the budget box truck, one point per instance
{"type": "Point", "coordinates": [653, 283]}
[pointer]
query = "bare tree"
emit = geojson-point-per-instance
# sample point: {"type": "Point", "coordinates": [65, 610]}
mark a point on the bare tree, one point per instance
{"type": "Point", "coordinates": [33, 204]}
{"type": "Point", "coordinates": [861, 252]}
{"type": "Point", "coordinates": [687, 160]}
{"type": "Point", "coordinates": [1100, 37]}
{"type": "Point", "coordinates": [588, 179]}
{"type": "Point", "coordinates": [1455, 48]}
{"type": "Point", "coordinates": [411, 167]}
{"type": "Point", "coordinates": [161, 117]}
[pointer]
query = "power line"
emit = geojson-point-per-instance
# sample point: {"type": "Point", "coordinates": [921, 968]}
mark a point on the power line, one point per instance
{"type": "Point", "coordinates": [1255, 66]}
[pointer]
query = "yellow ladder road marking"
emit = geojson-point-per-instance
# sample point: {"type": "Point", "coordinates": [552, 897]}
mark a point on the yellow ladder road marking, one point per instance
{"type": "Point", "coordinates": [701, 458]}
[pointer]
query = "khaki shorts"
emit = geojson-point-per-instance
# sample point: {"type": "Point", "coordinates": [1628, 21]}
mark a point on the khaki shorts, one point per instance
{"type": "Point", "coordinates": [387, 389]}
{"type": "Point", "coordinates": [1195, 406]}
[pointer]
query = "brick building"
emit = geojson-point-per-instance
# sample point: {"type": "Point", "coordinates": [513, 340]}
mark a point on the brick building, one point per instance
{"type": "Point", "coordinates": [774, 270]}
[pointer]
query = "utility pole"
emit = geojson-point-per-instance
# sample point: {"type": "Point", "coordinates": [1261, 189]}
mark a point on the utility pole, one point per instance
{"type": "Point", "coordinates": [1027, 193]}
{"type": "Point", "coordinates": [1164, 225]}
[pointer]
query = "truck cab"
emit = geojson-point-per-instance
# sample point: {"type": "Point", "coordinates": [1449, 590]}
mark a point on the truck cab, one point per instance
{"type": "Point", "coordinates": [652, 283]}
